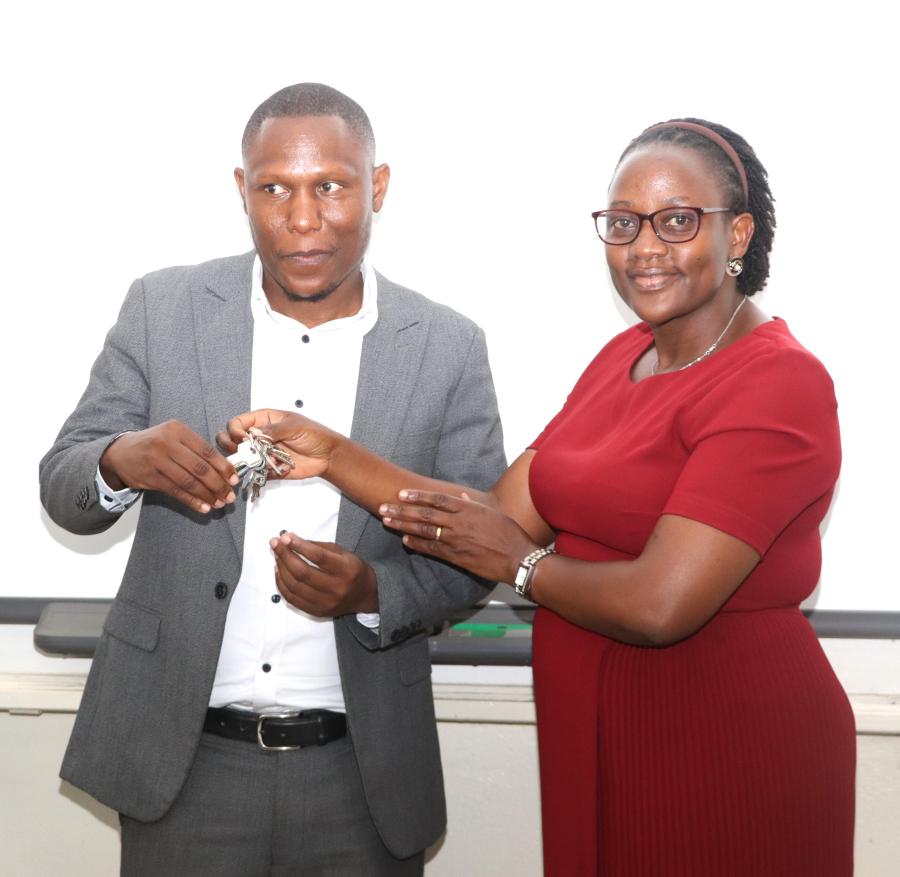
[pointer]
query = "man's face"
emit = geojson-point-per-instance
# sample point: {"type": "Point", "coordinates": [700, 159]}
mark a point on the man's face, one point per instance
{"type": "Point", "coordinates": [309, 190]}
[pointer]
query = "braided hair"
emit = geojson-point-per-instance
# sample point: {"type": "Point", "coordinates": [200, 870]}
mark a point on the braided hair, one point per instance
{"type": "Point", "coordinates": [760, 203]}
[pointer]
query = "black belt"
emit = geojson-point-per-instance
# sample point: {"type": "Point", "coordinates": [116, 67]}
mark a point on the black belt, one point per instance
{"type": "Point", "coordinates": [278, 731]}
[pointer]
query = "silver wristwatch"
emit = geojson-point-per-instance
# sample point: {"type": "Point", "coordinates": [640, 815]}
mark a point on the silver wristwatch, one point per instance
{"type": "Point", "coordinates": [522, 581]}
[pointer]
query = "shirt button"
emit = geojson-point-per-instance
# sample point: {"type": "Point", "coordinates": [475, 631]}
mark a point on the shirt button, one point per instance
{"type": "Point", "coordinates": [266, 668]}
{"type": "Point", "coordinates": [298, 403]}
{"type": "Point", "coordinates": [276, 598]}
{"type": "Point", "coordinates": [221, 590]}
{"type": "Point", "coordinates": [305, 339]}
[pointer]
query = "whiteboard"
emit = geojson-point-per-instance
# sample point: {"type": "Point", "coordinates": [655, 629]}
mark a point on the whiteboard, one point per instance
{"type": "Point", "coordinates": [502, 124]}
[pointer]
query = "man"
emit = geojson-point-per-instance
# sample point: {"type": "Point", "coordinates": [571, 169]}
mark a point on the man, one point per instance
{"type": "Point", "coordinates": [199, 645]}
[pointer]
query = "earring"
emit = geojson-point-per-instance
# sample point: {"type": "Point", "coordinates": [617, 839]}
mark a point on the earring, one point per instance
{"type": "Point", "coordinates": [734, 266]}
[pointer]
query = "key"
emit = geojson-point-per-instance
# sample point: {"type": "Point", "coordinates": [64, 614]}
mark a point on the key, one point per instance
{"type": "Point", "coordinates": [282, 457]}
{"type": "Point", "coordinates": [277, 460]}
{"type": "Point", "coordinates": [255, 456]}
{"type": "Point", "coordinates": [257, 482]}
{"type": "Point", "coordinates": [246, 457]}
{"type": "Point", "coordinates": [249, 463]}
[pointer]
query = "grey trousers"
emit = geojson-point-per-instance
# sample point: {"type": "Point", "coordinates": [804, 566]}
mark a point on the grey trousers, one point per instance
{"type": "Point", "coordinates": [251, 813]}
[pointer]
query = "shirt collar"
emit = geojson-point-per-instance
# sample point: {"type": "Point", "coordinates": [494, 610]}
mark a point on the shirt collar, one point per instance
{"type": "Point", "coordinates": [362, 321]}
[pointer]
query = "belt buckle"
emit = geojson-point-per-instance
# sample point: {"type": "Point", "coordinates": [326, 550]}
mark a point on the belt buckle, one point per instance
{"type": "Point", "coordinates": [259, 730]}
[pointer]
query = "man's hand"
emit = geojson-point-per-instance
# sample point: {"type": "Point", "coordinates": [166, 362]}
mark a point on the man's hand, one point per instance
{"type": "Point", "coordinates": [322, 578]}
{"type": "Point", "coordinates": [310, 444]}
{"type": "Point", "coordinates": [174, 460]}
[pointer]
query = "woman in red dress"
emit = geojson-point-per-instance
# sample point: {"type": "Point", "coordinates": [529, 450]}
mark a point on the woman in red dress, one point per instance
{"type": "Point", "coordinates": [688, 720]}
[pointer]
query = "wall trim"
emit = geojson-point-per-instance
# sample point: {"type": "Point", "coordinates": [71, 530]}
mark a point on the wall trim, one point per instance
{"type": "Point", "coordinates": [27, 610]}
{"type": "Point", "coordinates": [32, 694]}
{"type": "Point", "coordinates": [828, 623]}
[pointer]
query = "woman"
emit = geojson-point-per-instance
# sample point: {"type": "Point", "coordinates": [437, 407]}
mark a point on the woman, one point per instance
{"type": "Point", "coordinates": [688, 721]}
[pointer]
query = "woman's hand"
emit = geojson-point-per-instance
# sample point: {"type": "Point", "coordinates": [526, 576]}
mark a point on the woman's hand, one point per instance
{"type": "Point", "coordinates": [310, 444]}
{"type": "Point", "coordinates": [461, 531]}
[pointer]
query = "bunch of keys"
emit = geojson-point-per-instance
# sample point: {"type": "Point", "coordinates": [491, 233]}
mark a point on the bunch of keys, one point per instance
{"type": "Point", "coordinates": [255, 456]}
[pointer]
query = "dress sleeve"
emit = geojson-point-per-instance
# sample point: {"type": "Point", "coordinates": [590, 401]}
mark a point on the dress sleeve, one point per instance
{"type": "Point", "coordinates": [762, 448]}
{"type": "Point", "coordinates": [533, 446]}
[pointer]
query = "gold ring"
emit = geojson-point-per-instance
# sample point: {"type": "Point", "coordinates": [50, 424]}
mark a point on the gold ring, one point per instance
{"type": "Point", "coordinates": [437, 534]}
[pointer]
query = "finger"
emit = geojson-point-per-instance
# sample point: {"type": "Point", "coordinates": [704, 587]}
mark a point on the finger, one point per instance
{"type": "Point", "coordinates": [296, 568]}
{"type": "Point", "coordinates": [287, 428]}
{"type": "Point", "coordinates": [209, 455]}
{"type": "Point", "coordinates": [196, 470]}
{"type": "Point", "coordinates": [164, 484]}
{"type": "Point", "coordinates": [432, 532]}
{"type": "Point", "coordinates": [426, 546]}
{"type": "Point", "coordinates": [298, 594]}
{"type": "Point", "coordinates": [167, 474]}
{"type": "Point", "coordinates": [206, 473]}
{"type": "Point", "coordinates": [415, 515]}
{"type": "Point", "coordinates": [441, 501]}
{"type": "Point", "coordinates": [309, 550]}
{"type": "Point", "coordinates": [217, 463]}
{"type": "Point", "coordinates": [325, 555]}
{"type": "Point", "coordinates": [225, 441]}
{"type": "Point", "coordinates": [238, 428]}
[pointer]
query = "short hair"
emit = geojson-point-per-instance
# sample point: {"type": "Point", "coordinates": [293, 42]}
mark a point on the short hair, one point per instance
{"type": "Point", "coordinates": [311, 99]}
{"type": "Point", "coordinates": [759, 203]}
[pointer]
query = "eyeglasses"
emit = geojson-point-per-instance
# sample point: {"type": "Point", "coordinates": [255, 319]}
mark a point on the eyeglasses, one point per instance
{"type": "Point", "coordinates": [674, 225]}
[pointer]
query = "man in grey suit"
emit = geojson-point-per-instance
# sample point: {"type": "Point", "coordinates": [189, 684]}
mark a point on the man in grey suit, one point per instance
{"type": "Point", "coordinates": [235, 733]}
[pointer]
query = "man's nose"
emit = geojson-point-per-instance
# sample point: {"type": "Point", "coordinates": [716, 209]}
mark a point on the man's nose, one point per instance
{"type": "Point", "coordinates": [305, 214]}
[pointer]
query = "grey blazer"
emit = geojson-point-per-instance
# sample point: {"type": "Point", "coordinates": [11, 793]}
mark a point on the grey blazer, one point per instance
{"type": "Point", "coordinates": [181, 349]}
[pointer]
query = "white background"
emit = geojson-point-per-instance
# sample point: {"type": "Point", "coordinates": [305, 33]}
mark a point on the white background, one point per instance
{"type": "Point", "coordinates": [502, 123]}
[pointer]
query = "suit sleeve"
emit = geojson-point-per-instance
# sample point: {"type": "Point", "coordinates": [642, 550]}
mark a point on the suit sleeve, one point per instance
{"type": "Point", "coordinates": [116, 400]}
{"type": "Point", "coordinates": [415, 592]}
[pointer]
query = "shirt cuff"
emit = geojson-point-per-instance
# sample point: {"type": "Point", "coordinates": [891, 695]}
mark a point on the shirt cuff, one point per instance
{"type": "Point", "coordinates": [115, 501]}
{"type": "Point", "coordinates": [372, 620]}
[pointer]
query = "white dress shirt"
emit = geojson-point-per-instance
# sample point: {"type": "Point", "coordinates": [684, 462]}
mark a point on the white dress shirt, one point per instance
{"type": "Point", "coordinates": [274, 656]}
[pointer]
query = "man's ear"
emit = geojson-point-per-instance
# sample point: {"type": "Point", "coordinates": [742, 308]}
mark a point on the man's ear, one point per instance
{"type": "Point", "coordinates": [239, 179]}
{"type": "Point", "coordinates": [381, 177]}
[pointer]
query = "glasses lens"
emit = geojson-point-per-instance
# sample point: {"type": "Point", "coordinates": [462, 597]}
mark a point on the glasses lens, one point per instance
{"type": "Point", "coordinates": [677, 224]}
{"type": "Point", "coordinates": [618, 226]}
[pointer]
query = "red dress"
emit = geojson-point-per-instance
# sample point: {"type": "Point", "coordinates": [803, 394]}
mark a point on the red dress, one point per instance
{"type": "Point", "coordinates": [732, 752]}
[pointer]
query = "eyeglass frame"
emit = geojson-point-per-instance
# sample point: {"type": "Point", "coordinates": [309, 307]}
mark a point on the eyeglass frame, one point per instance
{"type": "Point", "coordinates": [649, 217]}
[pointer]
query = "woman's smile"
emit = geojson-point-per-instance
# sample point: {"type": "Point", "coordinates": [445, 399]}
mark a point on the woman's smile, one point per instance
{"type": "Point", "coordinates": [651, 279]}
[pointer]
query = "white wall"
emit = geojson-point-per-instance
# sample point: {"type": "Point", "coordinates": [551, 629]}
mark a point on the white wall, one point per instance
{"type": "Point", "coordinates": [502, 123]}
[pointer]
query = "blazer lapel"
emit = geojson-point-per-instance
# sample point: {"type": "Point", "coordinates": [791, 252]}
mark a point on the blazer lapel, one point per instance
{"type": "Point", "coordinates": [223, 329]}
{"type": "Point", "coordinates": [389, 366]}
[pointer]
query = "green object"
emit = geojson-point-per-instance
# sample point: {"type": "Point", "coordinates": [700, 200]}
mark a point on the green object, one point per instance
{"type": "Point", "coordinates": [467, 628]}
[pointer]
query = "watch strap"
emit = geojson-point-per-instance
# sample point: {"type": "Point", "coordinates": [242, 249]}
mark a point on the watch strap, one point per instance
{"type": "Point", "coordinates": [522, 581]}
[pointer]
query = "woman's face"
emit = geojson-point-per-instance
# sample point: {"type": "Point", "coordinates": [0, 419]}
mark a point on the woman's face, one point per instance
{"type": "Point", "coordinates": [663, 281]}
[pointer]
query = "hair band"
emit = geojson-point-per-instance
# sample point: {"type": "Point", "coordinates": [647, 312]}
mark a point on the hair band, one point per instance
{"type": "Point", "coordinates": [720, 141]}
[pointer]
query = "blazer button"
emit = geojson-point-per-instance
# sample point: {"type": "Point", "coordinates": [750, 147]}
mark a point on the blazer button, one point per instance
{"type": "Point", "coordinates": [221, 590]}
